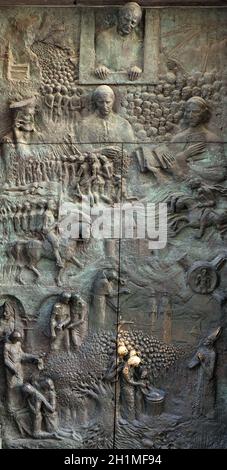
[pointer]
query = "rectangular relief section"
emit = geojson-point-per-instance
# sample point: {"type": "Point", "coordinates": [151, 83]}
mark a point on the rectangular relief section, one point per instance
{"type": "Point", "coordinates": [173, 297]}
{"type": "Point", "coordinates": [113, 227]}
{"type": "Point", "coordinates": [59, 290]}
{"type": "Point", "coordinates": [114, 50]}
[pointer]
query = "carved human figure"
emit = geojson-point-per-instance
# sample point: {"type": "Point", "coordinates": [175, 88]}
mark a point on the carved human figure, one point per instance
{"type": "Point", "coordinates": [42, 403]}
{"type": "Point", "coordinates": [59, 321]}
{"type": "Point", "coordinates": [49, 101]}
{"type": "Point", "coordinates": [28, 172]}
{"type": "Point", "coordinates": [114, 370]}
{"type": "Point", "coordinates": [127, 386]}
{"type": "Point", "coordinates": [8, 220]}
{"type": "Point", "coordinates": [107, 172]}
{"type": "Point", "coordinates": [121, 192]}
{"type": "Point", "coordinates": [204, 192]}
{"type": "Point", "coordinates": [104, 125]}
{"type": "Point", "coordinates": [197, 150]}
{"type": "Point", "coordinates": [39, 216]}
{"type": "Point", "coordinates": [203, 281]}
{"type": "Point", "coordinates": [207, 193]}
{"type": "Point", "coordinates": [18, 143]}
{"type": "Point", "coordinates": [57, 111]}
{"type": "Point", "coordinates": [78, 326]}
{"type": "Point", "coordinates": [65, 103]}
{"type": "Point", "coordinates": [119, 48]}
{"type": "Point", "coordinates": [7, 320]}
{"type": "Point", "coordinates": [95, 166]}
{"type": "Point", "coordinates": [145, 392]}
{"type": "Point", "coordinates": [103, 289]}
{"type": "Point", "coordinates": [14, 357]}
{"type": "Point", "coordinates": [44, 171]}
{"type": "Point", "coordinates": [18, 218]}
{"type": "Point", "coordinates": [75, 104]}
{"type": "Point", "coordinates": [50, 230]}
{"type": "Point", "coordinates": [26, 216]}
{"type": "Point", "coordinates": [205, 360]}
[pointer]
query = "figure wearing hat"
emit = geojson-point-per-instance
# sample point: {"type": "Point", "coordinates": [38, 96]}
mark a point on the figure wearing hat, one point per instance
{"type": "Point", "coordinates": [204, 360]}
{"type": "Point", "coordinates": [128, 384]}
{"type": "Point", "coordinates": [17, 143]}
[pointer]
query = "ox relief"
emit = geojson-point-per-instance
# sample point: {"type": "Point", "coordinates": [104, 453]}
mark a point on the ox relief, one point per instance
{"type": "Point", "coordinates": [113, 227]}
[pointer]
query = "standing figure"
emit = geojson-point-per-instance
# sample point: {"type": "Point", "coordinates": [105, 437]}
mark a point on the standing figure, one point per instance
{"type": "Point", "coordinates": [65, 103]}
{"type": "Point", "coordinates": [78, 326]}
{"type": "Point", "coordinates": [59, 321]}
{"type": "Point", "coordinates": [14, 357]}
{"type": "Point", "coordinates": [74, 105]}
{"type": "Point", "coordinates": [7, 320]}
{"type": "Point", "coordinates": [128, 384]}
{"type": "Point", "coordinates": [18, 218]}
{"type": "Point", "coordinates": [120, 188]}
{"type": "Point", "coordinates": [205, 360]}
{"type": "Point", "coordinates": [44, 172]}
{"type": "Point", "coordinates": [102, 289]}
{"type": "Point", "coordinates": [57, 104]}
{"type": "Point", "coordinates": [114, 370]}
{"type": "Point", "coordinates": [37, 173]}
{"type": "Point", "coordinates": [39, 216]}
{"type": "Point", "coordinates": [49, 101]}
{"type": "Point", "coordinates": [26, 217]}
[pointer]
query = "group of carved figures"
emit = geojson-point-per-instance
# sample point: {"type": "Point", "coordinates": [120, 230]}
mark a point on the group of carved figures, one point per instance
{"type": "Point", "coordinates": [199, 210]}
{"type": "Point", "coordinates": [91, 164]}
{"type": "Point", "coordinates": [68, 322]}
{"type": "Point", "coordinates": [90, 173]}
{"type": "Point", "coordinates": [33, 399]}
{"type": "Point", "coordinates": [21, 217]}
{"type": "Point", "coordinates": [62, 106]}
{"type": "Point", "coordinates": [134, 391]}
{"type": "Point", "coordinates": [38, 396]}
{"type": "Point", "coordinates": [155, 111]}
{"type": "Point", "coordinates": [195, 150]}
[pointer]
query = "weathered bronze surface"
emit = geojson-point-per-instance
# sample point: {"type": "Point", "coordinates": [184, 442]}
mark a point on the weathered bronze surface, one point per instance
{"type": "Point", "coordinates": [113, 340]}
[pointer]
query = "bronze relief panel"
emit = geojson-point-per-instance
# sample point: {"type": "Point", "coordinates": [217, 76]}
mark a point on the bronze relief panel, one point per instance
{"type": "Point", "coordinates": [113, 227]}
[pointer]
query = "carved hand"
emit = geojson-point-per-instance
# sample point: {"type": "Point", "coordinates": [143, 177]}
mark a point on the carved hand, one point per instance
{"type": "Point", "coordinates": [111, 151]}
{"type": "Point", "coordinates": [102, 72]}
{"type": "Point", "coordinates": [168, 160]}
{"type": "Point", "coordinates": [134, 73]}
{"type": "Point", "coordinates": [194, 150]}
